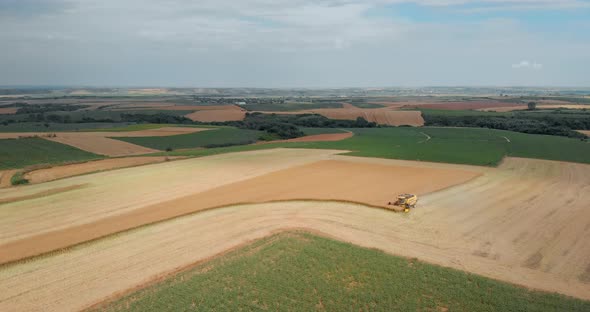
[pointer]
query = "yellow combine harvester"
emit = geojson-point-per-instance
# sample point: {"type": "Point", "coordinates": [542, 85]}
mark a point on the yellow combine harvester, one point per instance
{"type": "Point", "coordinates": [406, 201]}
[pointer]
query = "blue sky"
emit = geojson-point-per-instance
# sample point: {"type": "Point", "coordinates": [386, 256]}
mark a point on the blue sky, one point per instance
{"type": "Point", "coordinates": [295, 43]}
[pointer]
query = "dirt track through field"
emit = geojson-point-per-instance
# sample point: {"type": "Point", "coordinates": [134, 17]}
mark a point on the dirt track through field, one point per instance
{"type": "Point", "coordinates": [525, 222]}
{"type": "Point", "coordinates": [60, 172]}
{"type": "Point", "coordinates": [100, 142]}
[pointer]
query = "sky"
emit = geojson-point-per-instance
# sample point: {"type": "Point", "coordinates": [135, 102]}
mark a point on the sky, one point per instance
{"type": "Point", "coordinates": [295, 43]}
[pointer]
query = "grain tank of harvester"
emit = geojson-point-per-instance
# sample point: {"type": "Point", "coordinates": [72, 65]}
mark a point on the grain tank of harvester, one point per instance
{"type": "Point", "coordinates": [406, 201]}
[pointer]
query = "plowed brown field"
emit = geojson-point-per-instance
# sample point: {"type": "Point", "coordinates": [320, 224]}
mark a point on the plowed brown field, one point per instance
{"type": "Point", "coordinates": [223, 113]}
{"type": "Point", "coordinates": [8, 110]}
{"type": "Point", "coordinates": [60, 172]}
{"type": "Point", "coordinates": [510, 224]}
{"type": "Point", "coordinates": [101, 142]}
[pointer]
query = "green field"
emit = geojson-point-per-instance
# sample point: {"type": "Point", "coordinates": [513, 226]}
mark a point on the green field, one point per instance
{"type": "Point", "coordinates": [215, 137]}
{"type": "Point", "coordinates": [19, 153]}
{"type": "Point", "coordinates": [296, 271]}
{"type": "Point", "coordinates": [147, 126]}
{"type": "Point", "coordinates": [473, 146]}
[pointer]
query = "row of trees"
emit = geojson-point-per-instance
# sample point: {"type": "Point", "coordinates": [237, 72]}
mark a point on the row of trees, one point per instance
{"type": "Point", "coordinates": [533, 125]}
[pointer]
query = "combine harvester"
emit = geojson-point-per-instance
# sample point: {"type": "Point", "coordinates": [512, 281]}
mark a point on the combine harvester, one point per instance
{"type": "Point", "coordinates": [405, 201]}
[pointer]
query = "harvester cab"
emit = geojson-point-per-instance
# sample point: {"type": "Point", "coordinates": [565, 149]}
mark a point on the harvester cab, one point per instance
{"type": "Point", "coordinates": [406, 201]}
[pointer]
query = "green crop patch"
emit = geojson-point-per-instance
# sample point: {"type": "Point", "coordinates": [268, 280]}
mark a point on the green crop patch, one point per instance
{"type": "Point", "coordinates": [474, 146]}
{"type": "Point", "coordinates": [208, 138]}
{"type": "Point", "coordinates": [296, 271]}
{"type": "Point", "coordinates": [19, 153]}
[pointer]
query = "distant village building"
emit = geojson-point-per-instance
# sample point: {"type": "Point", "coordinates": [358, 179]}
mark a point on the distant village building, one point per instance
{"type": "Point", "coordinates": [241, 103]}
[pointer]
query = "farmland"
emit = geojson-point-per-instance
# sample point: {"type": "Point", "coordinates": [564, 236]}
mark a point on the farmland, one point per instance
{"type": "Point", "coordinates": [452, 145]}
{"type": "Point", "coordinates": [479, 234]}
{"type": "Point", "coordinates": [281, 273]}
{"type": "Point", "coordinates": [173, 202]}
{"type": "Point", "coordinates": [211, 138]}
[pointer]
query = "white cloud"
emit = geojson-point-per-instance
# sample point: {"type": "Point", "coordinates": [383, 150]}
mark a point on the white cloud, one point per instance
{"type": "Point", "coordinates": [280, 43]}
{"type": "Point", "coordinates": [528, 64]}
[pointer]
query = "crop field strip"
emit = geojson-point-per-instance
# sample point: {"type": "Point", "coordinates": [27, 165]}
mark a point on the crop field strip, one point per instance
{"type": "Point", "coordinates": [102, 143]}
{"type": "Point", "coordinates": [295, 271]}
{"type": "Point", "coordinates": [474, 146]}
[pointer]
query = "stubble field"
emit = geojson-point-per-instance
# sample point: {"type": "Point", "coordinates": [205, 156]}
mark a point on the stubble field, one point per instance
{"type": "Point", "coordinates": [509, 223]}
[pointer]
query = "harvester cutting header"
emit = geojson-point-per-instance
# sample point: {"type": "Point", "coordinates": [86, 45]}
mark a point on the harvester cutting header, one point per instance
{"type": "Point", "coordinates": [406, 201]}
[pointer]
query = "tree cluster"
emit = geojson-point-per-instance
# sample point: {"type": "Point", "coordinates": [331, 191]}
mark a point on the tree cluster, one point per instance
{"type": "Point", "coordinates": [543, 125]}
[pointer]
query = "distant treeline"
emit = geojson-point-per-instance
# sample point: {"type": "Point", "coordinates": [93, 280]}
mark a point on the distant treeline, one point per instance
{"type": "Point", "coordinates": [276, 126]}
{"type": "Point", "coordinates": [45, 108]}
{"type": "Point", "coordinates": [548, 124]}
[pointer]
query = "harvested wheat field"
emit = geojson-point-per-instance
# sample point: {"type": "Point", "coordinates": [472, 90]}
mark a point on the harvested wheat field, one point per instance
{"type": "Point", "coordinates": [101, 142]}
{"type": "Point", "coordinates": [8, 110]}
{"type": "Point", "coordinates": [5, 177]}
{"type": "Point", "coordinates": [325, 180]}
{"type": "Point", "coordinates": [218, 113]}
{"type": "Point", "coordinates": [70, 170]}
{"type": "Point", "coordinates": [144, 186]}
{"type": "Point", "coordinates": [506, 224]}
{"type": "Point", "coordinates": [539, 106]}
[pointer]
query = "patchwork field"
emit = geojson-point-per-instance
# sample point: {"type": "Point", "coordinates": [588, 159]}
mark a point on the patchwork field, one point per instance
{"type": "Point", "coordinates": [267, 274]}
{"type": "Point", "coordinates": [298, 224]}
{"type": "Point", "coordinates": [101, 143]}
{"type": "Point", "coordinates": [327, 180]}
{"type": "Point", "coordinates": [212, 138]}
{"type": "Point", "coordinates": [19, 153]}
{"type": "Point", "coordinates": [508, 224]}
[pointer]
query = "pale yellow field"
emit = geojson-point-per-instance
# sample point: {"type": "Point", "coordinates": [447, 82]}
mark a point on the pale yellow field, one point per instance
{"type": "Point", "coordinates": [69, 170]}
{"type": "Point", "coordinates": [509, 224]}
